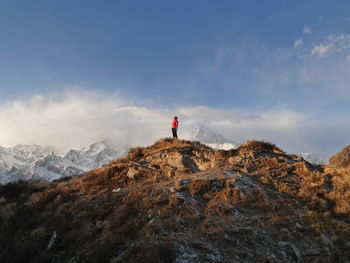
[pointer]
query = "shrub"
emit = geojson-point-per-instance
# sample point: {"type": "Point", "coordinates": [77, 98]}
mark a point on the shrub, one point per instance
{"type": "Point", "coordinates": [14, 190]}
{"type": "Point", "coordinates": [136, 153]}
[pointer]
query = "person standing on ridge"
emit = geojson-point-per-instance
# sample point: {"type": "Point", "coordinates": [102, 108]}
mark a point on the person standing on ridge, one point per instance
{"type": "Point", "coordinates": [174, 126]}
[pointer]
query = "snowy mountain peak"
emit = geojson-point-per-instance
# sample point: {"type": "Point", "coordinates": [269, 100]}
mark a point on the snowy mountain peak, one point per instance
{"type": "Point", "coordinates": [212, 139]}
{"type": "Point", "coordinates": [34, 162]}
{"type": "Point", "coordinates": [205, 135]}
{"type": "Point", "coordinates": [96, 147]}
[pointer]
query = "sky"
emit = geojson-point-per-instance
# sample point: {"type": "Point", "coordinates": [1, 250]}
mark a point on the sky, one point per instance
{"type": "Point", "coordinates": [74, 72]}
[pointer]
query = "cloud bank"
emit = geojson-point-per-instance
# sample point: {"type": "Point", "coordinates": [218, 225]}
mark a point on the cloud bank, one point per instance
{"type": "Point", "coordinates": [76, 119]}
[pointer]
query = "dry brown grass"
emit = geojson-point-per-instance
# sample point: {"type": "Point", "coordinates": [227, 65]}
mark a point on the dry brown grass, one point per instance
{"type": "Point", "coordinates": [341, 159]}
{"type": "Point", "coordinates": [200, 187]}
{"type": "Point", "coordinates": [260, 146]}
{"type": "Point", "coordinates": [341, 190]}
{"type": "Point", "coordinates": [136, 153]}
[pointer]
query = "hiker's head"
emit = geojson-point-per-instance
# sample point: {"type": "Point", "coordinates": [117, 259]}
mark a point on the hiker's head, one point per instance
{"type": "Point", "coordinates": [175, 117]}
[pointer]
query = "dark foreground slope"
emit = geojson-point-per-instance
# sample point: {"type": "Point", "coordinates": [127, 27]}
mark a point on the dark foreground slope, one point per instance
{"type": "Point", "coordinates": [180, 201]}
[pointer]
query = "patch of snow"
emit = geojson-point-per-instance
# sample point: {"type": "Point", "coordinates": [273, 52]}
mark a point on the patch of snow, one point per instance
{"type": "Point", "coordinates": [223, 146]}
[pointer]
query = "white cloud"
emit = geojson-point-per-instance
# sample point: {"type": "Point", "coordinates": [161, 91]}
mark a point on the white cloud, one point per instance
{"type": "Point", "coordinates": [341, 43]}
{"type": "Point", "coordinates": [348, 57]}
{"type": "Point", "coordinates": [336, 44]}
{"type": "Point", "coordinates": [298, 43]}
{"type": "Point", "coordinates": [77, 119]}
{"type": "Point", "coordinates": [307, 30]}
{"type": "Point", "coordinates": [320, 50]}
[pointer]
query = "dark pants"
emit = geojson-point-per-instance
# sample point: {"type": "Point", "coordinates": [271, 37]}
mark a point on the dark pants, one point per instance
{"type": "Point", "coordinates": [174, 130]}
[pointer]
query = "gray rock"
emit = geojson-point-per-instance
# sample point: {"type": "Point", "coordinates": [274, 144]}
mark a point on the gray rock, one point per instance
{"type": "Point", "coordinates": [52, 240]}
{"type": "Point", "coordinates": [313, 251]}
{"type": "Point", "coordinates": [298, 226]}
{"type": "Point", "coordinates": [169, 171]}
{"type": "Point", "coordinates": [172, 189]}
{"type": "Point", "coordinates": [2, 200]}
{"type": "Point", "coordinates": [165, 193]}
{"type": "Point", "coordinates": [297, 253]}
{"type": "Point", "coordinates": [184, 182]}
{"type": "Point", "coordinates": [132, 172]}
{"type": "Point", "coordinates": [282, 243]}
{"type": "Point", "coordinates": [231, 160]}
{"type": "Point", "coordinates": [326, 240]}
{"type": "Point", "coordinates": [143, 162]}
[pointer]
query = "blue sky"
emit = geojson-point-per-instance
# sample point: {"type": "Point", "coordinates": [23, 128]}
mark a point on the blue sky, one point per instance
{"type": "Point", "coordinates": [248, 56]}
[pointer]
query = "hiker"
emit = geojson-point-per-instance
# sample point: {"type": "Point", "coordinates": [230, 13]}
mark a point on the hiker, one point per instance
{"type": "Point", "coordinates": [174, 126]}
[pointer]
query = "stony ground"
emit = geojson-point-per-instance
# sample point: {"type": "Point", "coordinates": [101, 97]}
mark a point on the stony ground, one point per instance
{"type": "Point", "coordinates": [180, 201]}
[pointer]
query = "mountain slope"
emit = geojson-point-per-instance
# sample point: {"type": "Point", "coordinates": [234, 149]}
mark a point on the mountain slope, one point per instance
{"type": "Point", "coordinates": [180, 201]}
{"type": "Point", "coordinates": [16, 162]}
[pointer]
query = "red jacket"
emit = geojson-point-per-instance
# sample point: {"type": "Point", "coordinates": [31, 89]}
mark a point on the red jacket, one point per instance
{"type": "Point", "coordinates": [175, 123]}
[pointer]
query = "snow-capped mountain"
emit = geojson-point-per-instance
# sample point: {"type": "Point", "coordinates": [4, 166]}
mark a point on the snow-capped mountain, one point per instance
{"type": "Point", "coordinates": [33, 162]}
{"type": "Point", "coordinates": [212, 139]}
{"type": "Point", "coordinates": [314, 158]}
{"type": "Point", "coordinates": [16, 162]}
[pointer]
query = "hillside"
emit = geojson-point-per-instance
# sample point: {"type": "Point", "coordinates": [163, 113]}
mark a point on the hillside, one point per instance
{"type": "Point", "coordinates": [181, 201]}
{"type": "Point", "coordinates": [342, 158]}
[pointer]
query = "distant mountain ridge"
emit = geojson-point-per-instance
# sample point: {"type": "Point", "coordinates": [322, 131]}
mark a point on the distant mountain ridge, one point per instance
{"type": "Point", "coordinates": [34, 162]}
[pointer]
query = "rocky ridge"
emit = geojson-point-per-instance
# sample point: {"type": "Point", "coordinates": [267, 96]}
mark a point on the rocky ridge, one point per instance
{"type": "Point", "coordinates": [181, 201]}
{"type": "Point", "coordinates": [39, 163]}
